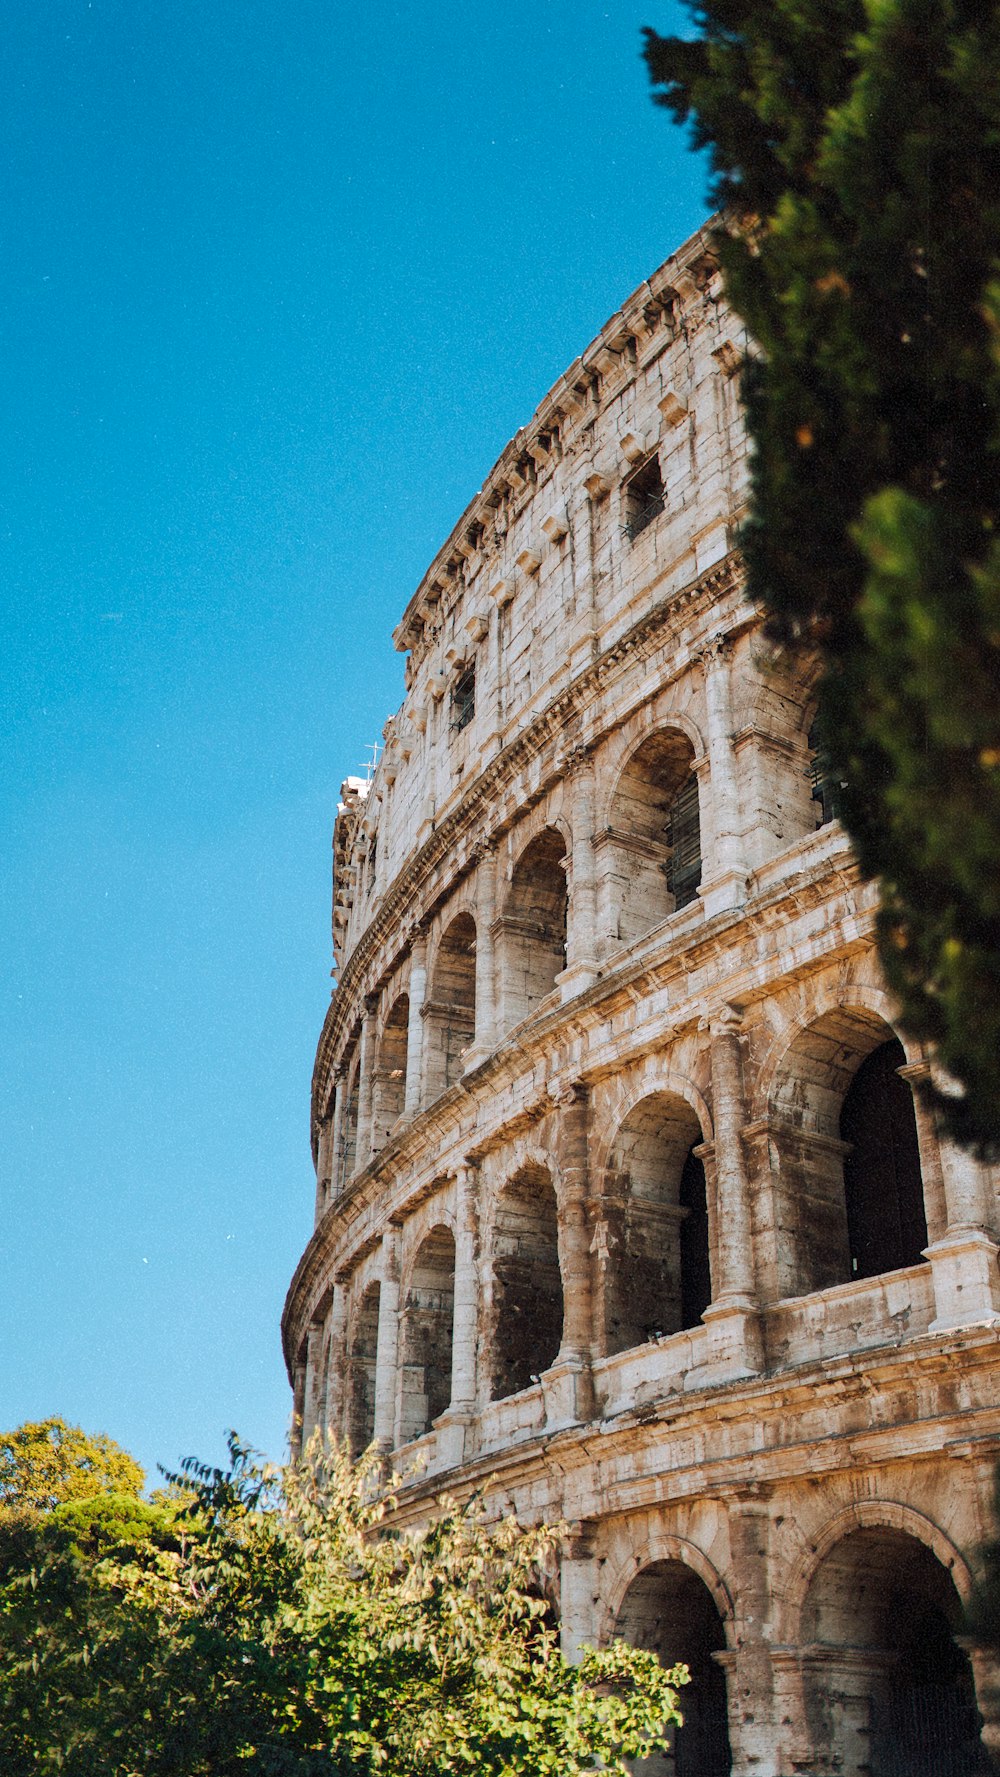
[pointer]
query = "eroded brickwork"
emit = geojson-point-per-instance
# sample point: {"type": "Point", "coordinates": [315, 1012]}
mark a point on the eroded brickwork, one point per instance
{"type": "Point", "coordinates": [623, 1195]}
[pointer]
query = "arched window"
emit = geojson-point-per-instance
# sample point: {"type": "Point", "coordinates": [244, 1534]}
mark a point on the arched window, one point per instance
{"type": "Point", "coordinates": [527, 1286]}
{"type": "Point", "coordinates": [389, 1083]}
{"type": "Point", "coordinates": [450, 1010]}
{"type": "Point", "coordinates": [825, 786]}
{"type": "Point", "coordinates": [883, 1610]}
{"type": "Point", "coordinates": [669, 1610]}
{"type": "Point", "coordinates": [427, 1335]}
{"type": "Point", "coordinates": [361, 1390]}
{"type": "Point", "coordinates": [652, 847]}
{"type": "Point", "coordinates": [656, 1277]}
{"type": "Point", "coordinates": [533, 926]}
{"type": "Point", "coordinates": [348, 1157]}
{"type": "Point", "coordinates": [886, 1220]}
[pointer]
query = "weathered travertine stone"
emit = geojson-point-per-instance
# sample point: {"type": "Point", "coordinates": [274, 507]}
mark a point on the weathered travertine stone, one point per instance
{"type": "Point", "coordinates": [624, 1208]}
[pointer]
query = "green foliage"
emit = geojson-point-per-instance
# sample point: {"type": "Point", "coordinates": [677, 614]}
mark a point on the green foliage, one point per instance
{"type": "Point", "coordinates": [280, 1624]}
{"type": "Point", "coordinates": [46, 1463]}
{"type": "Point", "coordinates": [856, 145]}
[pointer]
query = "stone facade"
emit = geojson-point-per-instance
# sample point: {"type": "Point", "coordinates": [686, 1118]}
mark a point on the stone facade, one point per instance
{"type": "Point", "coordinates": [625, 1207]}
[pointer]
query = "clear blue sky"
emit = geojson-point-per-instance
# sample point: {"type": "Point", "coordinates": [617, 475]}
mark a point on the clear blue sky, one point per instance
{"type": "Point", "coordinates": [280, 278]}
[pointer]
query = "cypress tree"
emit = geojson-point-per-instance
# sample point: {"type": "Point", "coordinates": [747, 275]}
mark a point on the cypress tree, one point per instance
{"type": "Point", "coordinates": [856, 152]}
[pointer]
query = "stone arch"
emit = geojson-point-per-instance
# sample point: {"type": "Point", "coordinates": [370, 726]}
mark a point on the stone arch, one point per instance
{"type": "Point", "coordinates": [870, 1514]}
{"type": "Point", "coordinates": [426, 1333]}
{"type": "Point", "coordinates": [450, 1009]}
{"type": "Point", "coordinates": [865, 996]}
{"type": "Point", "coordinates": [527, 1307]}
{"type": "Point", "coordinates": [533, 925]}
{"type": "Point", "coordinates": [361, 1363]}
{"type": "Point", "coordinates": [389, 1078]}
{"type": "Point", "coordinates": [654, 1078]}
{"type": "Point", "coordinates": [650, 849]}
{"type": "Point", "coordinates": [669, 1609]}
{"type": "Point", "coordinates": [656, 1277]}
{"type": "Point", "coordinates": [651, 1543]}
{"type": "Point", "coordinates": [845, 1171]}
{"type": "Point", "coordinates": [885, 1686]}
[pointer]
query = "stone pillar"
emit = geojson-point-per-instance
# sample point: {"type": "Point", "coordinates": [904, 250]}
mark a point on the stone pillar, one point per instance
{"type": "Point", "coordinates": [964, 1259]}
{"type": "Point", "coordinates": [577, 1593]}
{"type": "Point", "coordinates": [726, 885]}
{"type": "Point", "coordinates": [325, 1151]}
{"type": "Point", "coordinates": [388, 1340]}
{"type": "Point", "coordinates": [747, 1663]}
{"type": "Point", "coordinates": [313, 1381]}
{"type": "Point", "coordinates": [452, 1426]}
{"type": "Point", "coordinates": [337, 1367]}
{"type": "Point", "coordinates": [366, 1073]}
{"type": "Point", "coordinates": [568, 1384]}
{"type": "Point", "coordinates": [486, 903]}
{"type": "Point", "coordinates": [298, 1405]}
{"type": "Point", "coordinates": [581, 960]}
{"type": "Point", "coordinates": [928, 1147]}
{"type": "Point", "coordinates": [413, 1096]}
{"type": "Point", "coordinates": [337, 1134]}
{"type": "Point", "coordinates": [732, 1314]}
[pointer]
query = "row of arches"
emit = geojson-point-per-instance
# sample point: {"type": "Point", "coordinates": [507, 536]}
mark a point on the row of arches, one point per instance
{"type": "Point", "coordinates": [648, 866]}
{"type": "Point", "coordinates": [653, 1242]}
{"type": "Point", "coordinates": [878, 1684]}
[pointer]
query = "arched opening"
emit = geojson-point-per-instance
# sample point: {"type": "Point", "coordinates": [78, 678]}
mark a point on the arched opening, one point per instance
{"type": "Point", "coordinates": [428, 1315]}
{"type": "Point", "coordinates": [450, 1011]}
{"type": "Point", "coordinates": [389, 1081]}
{"type": "Point", "coordinates": [361, 1389]}
{"type": "Point", "coordinates": [653, 840]}
{"type": "Point", "coordinates": [886, 1219]}
{"type": "Point", "coordinates": [825, 787]}
{"type": "Point", "coordinates": [845, 1175]}
{"type": "Point", "coordinates": [533, 926]}
{"type": "Point", "coordinates": [888, 1690]}
{"type": "Point", "coordinates": [669, 1610]}
{"type": "Point", "coordinates": [656, 1277]}
{"type": "Point", "coordinates": [527, 1286]}
{"type": "Point", "coordinates": [348, 1156]}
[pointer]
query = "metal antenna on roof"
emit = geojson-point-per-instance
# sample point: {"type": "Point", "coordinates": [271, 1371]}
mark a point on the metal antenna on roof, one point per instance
{"type": "Point", "coordinates": [371, 763]}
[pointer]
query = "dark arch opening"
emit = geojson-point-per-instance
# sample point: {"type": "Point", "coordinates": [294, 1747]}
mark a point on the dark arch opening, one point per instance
{"type": "Point", "coordinates": [450, 1014]}
{"type": "Point", "coordinates": [527, 1285]}
{"type": "Point", "coordinates": [427, 1335]}
{"type": "Point", "coordinates": [655, 834]}
{"type": "Point", "coordinates": [886, 1219]}
{"type": "Point", "coordinates": [534, 926]}
{"type": "Point", "coordinates": [669, 1610]}
{"type": "Point", "coordinates": [349, 1125]}
{"type": "Point", "coordinates": [389, 1083]}
{"type": "Point", "coordinates": [657, 1277]}
{"type": "Point", "coordinates": [890, 1690]}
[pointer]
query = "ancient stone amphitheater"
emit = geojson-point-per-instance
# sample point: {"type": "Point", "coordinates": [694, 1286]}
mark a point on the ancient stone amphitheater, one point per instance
{"type": "Point", "coordinates": [625, 1203]}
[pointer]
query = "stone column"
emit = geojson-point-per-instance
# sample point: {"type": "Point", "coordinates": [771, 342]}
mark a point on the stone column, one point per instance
{"type": "Point", "coordinates": [577, 1593]}
{"type": "Point", "coordinates": [732, 1314]}
{"type": "Point", "coordinates": [581, 960]}
{"type": "Point", "coordinates": [313, 1381]}
{"type": "Point", "coordinates": [965, 1262]}
{"type": "Point", "coordinates": [325, 1151]}
{"type": "Point", "coordinates": [486, 902]}
{"type": "Point", "coordinates": [928, 1147]}
{"type": "Point", "coordinates": [568, 1383]}
{"type": "Point", "coordinates": [413, 1095]}
{"type": "Point", "coordinates": [747, 1663]}
{"type": "Point", "coordinates": [298, 1406]}
{"type": "Point", "coordinates": [452, 1426]}
{"type": "Point", "coordinates": [726, 885]}
{"type": "Point", "coordinates": [366, 1073]}
{"type": "Point", "coordinates": [388, 1340]}
{"type": "Point", "coordinates": [337, 1134]}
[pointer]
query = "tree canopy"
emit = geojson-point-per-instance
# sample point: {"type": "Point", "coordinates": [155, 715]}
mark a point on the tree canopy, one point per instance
{"type": "Point", "coordinates": [46, 1463]}
{"type": "Point", "coordinates": [856, 147]}
{"type": "Point", "coordinates": [281, 1623]}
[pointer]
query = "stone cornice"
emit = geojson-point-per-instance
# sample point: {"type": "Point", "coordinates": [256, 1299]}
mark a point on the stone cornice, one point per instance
{"type": "Point", "coordinates": [478, 806]}
{"type": "Point", "coordinates": [679, 281]}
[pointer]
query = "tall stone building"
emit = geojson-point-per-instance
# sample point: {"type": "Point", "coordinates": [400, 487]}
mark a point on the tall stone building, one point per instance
{"type": "Point", "coordinates": [626, 1207]}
